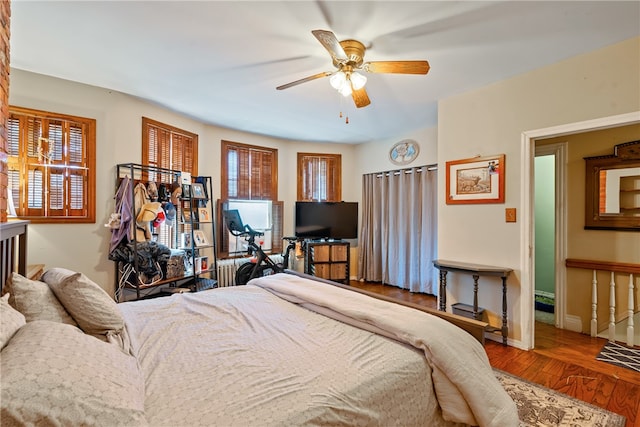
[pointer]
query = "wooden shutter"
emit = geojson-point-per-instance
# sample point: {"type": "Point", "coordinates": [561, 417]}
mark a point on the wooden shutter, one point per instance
{"type": "Point", "coordinates": [52, 158]}
{"type": "Point", "coordinates": [319, 177]}
{"type": "Point", "coordinates": [277, 215]}
{"type": "Point", "coordinates": [249, 172]}
{"type": "Point", "coordinates": [165, 146]}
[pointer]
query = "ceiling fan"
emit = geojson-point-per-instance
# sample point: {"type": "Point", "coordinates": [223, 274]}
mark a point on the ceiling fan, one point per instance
{"type": "Point", "coordinates": [348, 58]}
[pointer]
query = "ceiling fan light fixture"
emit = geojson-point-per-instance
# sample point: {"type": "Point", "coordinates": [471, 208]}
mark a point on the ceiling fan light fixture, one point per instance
{"type": "Point", "coordinates": [347, 57]}
{"type": "Point", "coordinates": [345, 89]}
{"type": "Point", "coordinates": [358, 80]}
{"type": "Point", "coordinates": [337, 80]}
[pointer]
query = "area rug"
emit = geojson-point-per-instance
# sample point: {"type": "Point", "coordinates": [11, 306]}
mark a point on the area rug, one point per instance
{"type": "Point", "coordinates": [619, 355]}
{"type": "Point", "coordinates": [541, 406]}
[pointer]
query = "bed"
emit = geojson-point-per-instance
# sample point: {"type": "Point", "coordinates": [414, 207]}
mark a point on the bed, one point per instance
{"type": "Point", "coordinates": [284, 350]}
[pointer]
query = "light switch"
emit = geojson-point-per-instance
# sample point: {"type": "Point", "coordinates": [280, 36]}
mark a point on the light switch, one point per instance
{"type": "Point", "coordinates": [510, 214]}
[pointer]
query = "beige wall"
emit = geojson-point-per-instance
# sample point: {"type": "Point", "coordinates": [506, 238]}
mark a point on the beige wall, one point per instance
{"type": "Point", "coordinates": [84, 247]}
{"type": "Point", "coordinates": [603, 245]}
{"type": "Point", "coordinates": [491, 121]}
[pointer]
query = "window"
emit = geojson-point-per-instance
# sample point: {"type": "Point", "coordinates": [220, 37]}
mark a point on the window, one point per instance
{"type": "Point", "coordinates": [319, 177]}
{"type": "Point", "coordinates": [51, 166]}
{"type": "Point", "coordinates": [168, 147]}
{"type": "Point", "coordinates": [165, 146]}
{"type": "Point", "coordinates": [249, 173]}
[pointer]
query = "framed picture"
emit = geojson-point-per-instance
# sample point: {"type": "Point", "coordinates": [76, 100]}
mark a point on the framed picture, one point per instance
{"type": "Point", "coordinates": [204, 263]}
{"type": "Point", "coordinates": [186, 191]}
{"type": "Point", "coordinates": [203, 215]}
{"type": "Point", "coordinates": [186, 214]}
{"type": "Point", "coordinates": [476, 180]}
{"type": "Point", "coordinates": [198, 266]}
{"type": "Point", "coordinates": [185, 240]}
{"type": "Point", "coordinates": [199, 238]}
{"type": "Point", "coordinates": [197, 191]}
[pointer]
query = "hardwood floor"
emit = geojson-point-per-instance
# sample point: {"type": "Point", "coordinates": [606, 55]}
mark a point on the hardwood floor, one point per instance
{"type": "Point", "coordinates": [562, 360]}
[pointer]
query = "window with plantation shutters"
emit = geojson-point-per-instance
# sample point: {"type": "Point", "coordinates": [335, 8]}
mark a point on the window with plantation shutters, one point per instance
{"type": "Point", "coordinates": [249, 172]}
{"type": "Point", "coordinates": [51, 166]}
{"type": "Point", "coordinates": [165, 146]}
{"type": "Point", "coordinates": [319, 177]}
{"type": "Point", "coordinates": [168, 147]}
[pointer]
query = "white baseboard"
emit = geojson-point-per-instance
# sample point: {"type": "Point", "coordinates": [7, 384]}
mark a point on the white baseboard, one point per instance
{"type": "Point", "coordinates": [573, 323]}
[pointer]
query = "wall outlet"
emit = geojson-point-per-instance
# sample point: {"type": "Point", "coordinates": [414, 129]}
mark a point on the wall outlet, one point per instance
{"type": "Point", "coordinates": [510, 214]}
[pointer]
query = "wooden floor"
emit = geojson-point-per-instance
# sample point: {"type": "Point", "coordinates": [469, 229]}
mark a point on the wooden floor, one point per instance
{"type": "Point", "coordinates": [562, 360]}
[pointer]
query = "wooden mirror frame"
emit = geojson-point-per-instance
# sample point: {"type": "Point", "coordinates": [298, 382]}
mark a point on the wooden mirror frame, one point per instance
{"type": "Point", "coordinates": [624, 156]}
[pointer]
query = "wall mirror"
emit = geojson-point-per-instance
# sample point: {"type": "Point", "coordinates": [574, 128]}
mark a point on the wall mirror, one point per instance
{"type": "Point", "coordinates": [613, 189]}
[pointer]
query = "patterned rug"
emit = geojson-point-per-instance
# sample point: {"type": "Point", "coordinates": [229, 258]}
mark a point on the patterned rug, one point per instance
{"type": "Point", "coordinates": [619, 355]}
{"type": "Point", "coordinates": [541, 406]}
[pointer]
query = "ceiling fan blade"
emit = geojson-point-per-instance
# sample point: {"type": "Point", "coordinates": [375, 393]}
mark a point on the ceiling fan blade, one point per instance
{"type": "Point", "coordinates": [331, 43]}
{"type": "Point", "coordinates": [360, 97]}
{"type": "Point", "coordinates": [306, 79]}
{"type": "Point", "coordinates": [399, 67]}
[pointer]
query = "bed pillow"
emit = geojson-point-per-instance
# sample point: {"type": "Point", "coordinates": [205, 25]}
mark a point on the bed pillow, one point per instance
{"type": "Point", "coordinates": [53, 374]}
{"type": "Point", "coordinates": [90, 306]}
{"type": "Point", "coordinates": [35, 300]}
{"type": "Point", "coordinates": [10, 321]}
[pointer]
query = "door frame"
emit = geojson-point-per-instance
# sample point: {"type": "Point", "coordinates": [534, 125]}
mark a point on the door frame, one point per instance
{"type": "Point", "coordinates": [559, 152]}
{"type": "Point", "coordinates": [528, 139]}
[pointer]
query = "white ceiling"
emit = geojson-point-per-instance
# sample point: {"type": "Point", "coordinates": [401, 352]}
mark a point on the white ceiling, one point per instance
{"type": "Point", "coordinates": [220, 61]}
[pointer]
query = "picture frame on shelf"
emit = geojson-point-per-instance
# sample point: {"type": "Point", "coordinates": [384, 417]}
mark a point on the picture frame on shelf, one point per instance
{"type": "Point", "coordinates": [204, 264]}
{"type": "Point", "coordinates": [475, 180]}
{"type": "Point", "coordinates": [204, 215]}
{"type": "Point", "coordinates": [185, 240]}
{"type": "Point", "coordinates": [199, 238]}
{"type": "Point", "coordinates": [197, 191]}
{"type": "Point", "coordinates": [197, 268]}
{"type": "Point", "coordinates": [186, 191]}
{"type": "Point", "coordinates": [186, 214]}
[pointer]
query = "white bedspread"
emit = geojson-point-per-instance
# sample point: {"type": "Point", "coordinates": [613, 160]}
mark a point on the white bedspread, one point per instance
{"type": "Point", "coordinates": [242, 356]}
{"type": "Point", "coordinates": [465, 385]}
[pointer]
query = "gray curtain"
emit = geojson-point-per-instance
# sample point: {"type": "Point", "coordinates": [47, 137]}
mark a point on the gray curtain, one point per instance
{"type": "Point", "coordinates": [398, 239]}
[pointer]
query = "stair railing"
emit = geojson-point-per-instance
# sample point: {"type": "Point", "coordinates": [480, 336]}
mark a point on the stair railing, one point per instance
{"type": "Point", "coordinates": [612, 268]}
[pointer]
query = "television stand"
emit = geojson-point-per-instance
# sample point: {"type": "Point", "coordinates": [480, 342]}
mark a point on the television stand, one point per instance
{"type": "Point", "coordinates": [328, 259]}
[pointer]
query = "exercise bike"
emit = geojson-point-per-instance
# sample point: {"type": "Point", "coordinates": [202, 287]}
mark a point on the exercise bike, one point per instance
{"type": "Point", "coordinates": [262, 264]}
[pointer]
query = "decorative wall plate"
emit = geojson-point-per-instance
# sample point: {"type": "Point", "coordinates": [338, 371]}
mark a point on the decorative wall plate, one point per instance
{"type": "Point", "coordinates": [404, 152]}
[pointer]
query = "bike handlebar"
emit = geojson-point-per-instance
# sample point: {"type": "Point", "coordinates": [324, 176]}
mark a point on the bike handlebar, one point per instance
{"type": "Point", "coordinates": [251, 232]}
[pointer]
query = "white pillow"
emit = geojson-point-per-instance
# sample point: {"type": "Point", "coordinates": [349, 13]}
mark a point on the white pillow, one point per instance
{"type": "Point", "coordinates": [10, 321]}
{"type": "Point", "coordinates": [35, 300]}
{"type": "Point", "coordinates": [53, 374]}
{"type": "Point", "coordinates": [95, 311]}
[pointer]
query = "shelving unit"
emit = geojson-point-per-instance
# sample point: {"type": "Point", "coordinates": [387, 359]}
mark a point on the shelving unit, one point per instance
{"type": "Point", "coordinates": [197, 229]}
{"type": "Point", "coordinates": [183, 270]}
{"type": "Point", "coordinates": [327, 260]}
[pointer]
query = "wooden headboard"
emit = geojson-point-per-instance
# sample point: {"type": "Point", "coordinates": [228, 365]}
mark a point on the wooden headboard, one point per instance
{"type": "Point", "coordinates": [13, 249]}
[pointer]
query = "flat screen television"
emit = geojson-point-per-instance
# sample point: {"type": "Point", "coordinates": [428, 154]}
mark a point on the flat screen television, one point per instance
{"type": "Point", "coordinates": [327, 220]}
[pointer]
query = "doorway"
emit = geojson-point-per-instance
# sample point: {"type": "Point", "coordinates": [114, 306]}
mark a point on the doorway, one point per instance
{"type": "Point", "coordinates": [544, 238]}
{"type": "Point", "coordinates": [530, 141]}
{"type": "Point", "coordinates": [549, 232]}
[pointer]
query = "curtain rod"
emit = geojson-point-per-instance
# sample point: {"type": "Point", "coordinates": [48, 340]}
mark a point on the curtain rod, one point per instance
{"type": "Point", "coordinates": [407, 170]}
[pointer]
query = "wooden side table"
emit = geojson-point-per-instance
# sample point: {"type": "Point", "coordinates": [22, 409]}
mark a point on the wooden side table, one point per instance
{"type": "Point", "coordinates": [475, 270]}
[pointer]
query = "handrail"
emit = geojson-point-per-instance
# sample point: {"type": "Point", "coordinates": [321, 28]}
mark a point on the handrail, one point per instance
{"type": "Point", "coordinates": [617, 267]}
{"type": "Point", "coordinates": [611, 267]}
